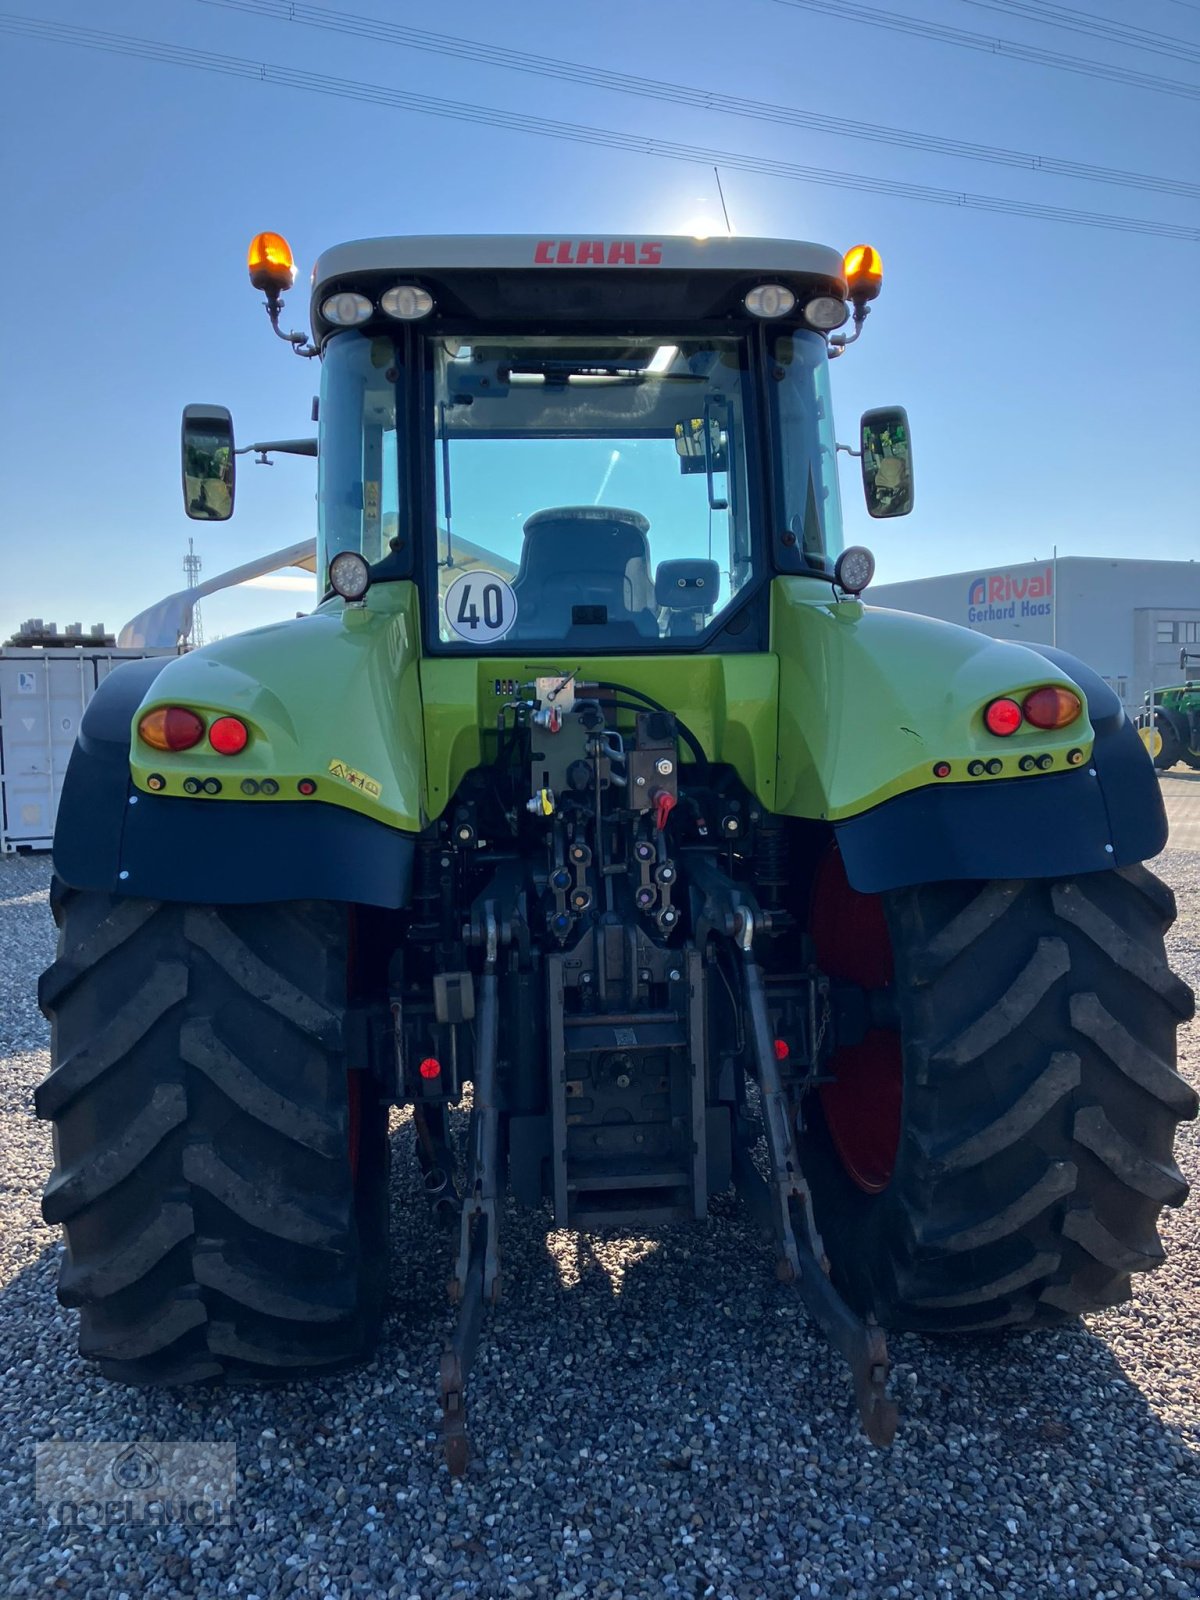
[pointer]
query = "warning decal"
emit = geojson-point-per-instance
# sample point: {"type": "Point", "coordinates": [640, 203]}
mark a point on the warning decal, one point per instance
{"type": "Point", "coordinates": [357, 780]}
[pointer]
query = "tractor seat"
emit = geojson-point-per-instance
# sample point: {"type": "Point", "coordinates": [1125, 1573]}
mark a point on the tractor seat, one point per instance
{"type": "Point", "coordinates": [584, 556]}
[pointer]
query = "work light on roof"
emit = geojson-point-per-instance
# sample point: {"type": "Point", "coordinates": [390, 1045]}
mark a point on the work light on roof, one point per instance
{"type": "Point", "coordinates": [406, 302]}
{"type": "Point", "coordinates": [769, 300]}
{"type": "Point", "coordinates": [346, 309]}
{"type": "Point", "coordinates": [826, 312]}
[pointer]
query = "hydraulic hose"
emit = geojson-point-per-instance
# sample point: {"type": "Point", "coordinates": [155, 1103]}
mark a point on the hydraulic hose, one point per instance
{"type": "Point", "coordinates": [685, 733]}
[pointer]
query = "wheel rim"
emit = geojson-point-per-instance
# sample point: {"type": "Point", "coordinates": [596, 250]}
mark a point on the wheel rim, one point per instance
{"type": "Point", "coordinates": [863, 1104]}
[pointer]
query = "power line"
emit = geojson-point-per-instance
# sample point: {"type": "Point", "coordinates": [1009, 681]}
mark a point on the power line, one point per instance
{"type": "Point", "coordinates": [1009, 49]}
{"type": "Point", "coordinates": [1098, 27]}
{"type": "Point", "coordinates": [579, 133]}
{"type": "Point", "coordinates": [456, 48]}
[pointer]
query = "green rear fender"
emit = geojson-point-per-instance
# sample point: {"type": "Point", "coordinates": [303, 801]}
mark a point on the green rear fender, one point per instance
{"type": "Point", "coordinates": [872, 701]}
{"type": "Point", "coordinates": [333, 697]}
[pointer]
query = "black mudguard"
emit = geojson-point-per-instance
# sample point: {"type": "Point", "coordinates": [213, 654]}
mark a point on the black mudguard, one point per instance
{"type": "Point", "coordinates": [113, 837]}
{"type": "Point", "coordinates": [1108, 813]}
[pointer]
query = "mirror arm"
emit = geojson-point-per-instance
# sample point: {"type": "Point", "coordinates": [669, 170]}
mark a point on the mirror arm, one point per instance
{"type": "Point", "coordinates": [709, 471]}
{"type": "Point", "coordinates": [298, 341]}
{"type": "Point", "coordinates": [281, 447]}
{"type": "Point", "coordinates": [857, 454]}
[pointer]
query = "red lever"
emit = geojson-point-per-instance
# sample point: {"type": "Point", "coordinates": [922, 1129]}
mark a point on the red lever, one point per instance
{"type": "Point", "coordinates": [664, 804]}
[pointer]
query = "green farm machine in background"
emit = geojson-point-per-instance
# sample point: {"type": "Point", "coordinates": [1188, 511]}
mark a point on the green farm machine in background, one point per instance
{"type": "Point", "coordinates": [1169, 721]}
{"type": "Point", "coordinates": [592, 784]}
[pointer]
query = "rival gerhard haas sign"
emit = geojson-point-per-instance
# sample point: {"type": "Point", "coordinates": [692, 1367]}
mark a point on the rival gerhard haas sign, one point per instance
{"type": "Point", "coordinates": [1003, 596]}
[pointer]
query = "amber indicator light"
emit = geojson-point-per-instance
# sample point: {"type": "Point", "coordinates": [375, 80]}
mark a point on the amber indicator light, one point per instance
{"type": "Point", "coordinates": [1051, 707]}
{"type": "Point", "coordinates": [171, 728]}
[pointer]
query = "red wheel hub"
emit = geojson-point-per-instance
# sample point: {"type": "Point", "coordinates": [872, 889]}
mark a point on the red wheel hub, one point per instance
{"type": "Point", "coordinates": [863, 1103]}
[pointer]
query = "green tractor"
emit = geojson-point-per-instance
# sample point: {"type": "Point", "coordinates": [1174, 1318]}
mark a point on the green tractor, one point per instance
{"type": "Point", "coordinates": [593, 796]}
{"type": "Point", "coordinates": [1169, 721]}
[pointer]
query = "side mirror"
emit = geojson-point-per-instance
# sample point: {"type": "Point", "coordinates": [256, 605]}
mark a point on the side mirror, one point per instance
{"type": "Point", "coordinates": [886, 462]}
{"type": "Point", "coordinates": [208, 466]}
{"type": "Point", "coordinates": [690, 447]}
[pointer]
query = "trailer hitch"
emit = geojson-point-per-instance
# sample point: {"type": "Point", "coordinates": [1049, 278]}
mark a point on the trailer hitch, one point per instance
{"type": "Point", "coordinates": [785, 1207]}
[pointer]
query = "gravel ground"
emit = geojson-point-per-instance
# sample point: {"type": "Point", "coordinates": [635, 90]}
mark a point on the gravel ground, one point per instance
{"type": "Point", "coordinates": [650, 1419]}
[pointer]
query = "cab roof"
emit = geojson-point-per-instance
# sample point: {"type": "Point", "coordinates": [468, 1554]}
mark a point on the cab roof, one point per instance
{"type": "Point", "coordinates": [513, 252]}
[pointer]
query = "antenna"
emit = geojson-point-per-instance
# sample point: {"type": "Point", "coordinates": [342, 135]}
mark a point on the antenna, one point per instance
{"type": "Point", "coordinates": [194, 637]}
{"type": "Point", "coordinates": [724, 207]}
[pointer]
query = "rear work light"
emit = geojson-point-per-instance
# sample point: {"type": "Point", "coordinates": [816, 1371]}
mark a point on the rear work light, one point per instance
{"type": "Point", "coordinates": [346, 309]}
{"type": "Point", "coordinates": [228, 735]}
{"type": "Point", "coordinates": [171, 728]}
{"type": "Point", "coordinates": [1051, 707]}
{"type": "Point", "coordinates": [406, 302]}
{"type": "Point", "coordinates": [1003, 717]}
{"type": "Point", "coordinates": [769, 300]}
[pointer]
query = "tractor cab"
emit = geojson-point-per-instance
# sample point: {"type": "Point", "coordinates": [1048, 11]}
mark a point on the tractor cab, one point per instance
{"type": "Point", "coordinates": [602, 445]}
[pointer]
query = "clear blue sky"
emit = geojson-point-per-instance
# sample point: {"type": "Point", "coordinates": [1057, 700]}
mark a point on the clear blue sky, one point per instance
{"type": "Point", "coordinates": [1050, 371]}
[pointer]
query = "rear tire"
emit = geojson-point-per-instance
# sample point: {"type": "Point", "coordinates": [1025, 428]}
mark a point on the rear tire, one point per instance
{"type": "Point", "coordinates": [220, 1175]}
{"type": "Point", "coordinates": [1037, 1103]}
{"type": "Point", "coordinates": [1171, 748]}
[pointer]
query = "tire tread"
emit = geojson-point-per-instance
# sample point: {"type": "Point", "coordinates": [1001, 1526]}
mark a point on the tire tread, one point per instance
{"type": "Point", "coordinates": [213, 1229]}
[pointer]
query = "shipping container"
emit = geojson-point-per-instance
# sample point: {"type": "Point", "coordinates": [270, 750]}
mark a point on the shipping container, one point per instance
{"type": "Point", "coordinates": [43, 694]}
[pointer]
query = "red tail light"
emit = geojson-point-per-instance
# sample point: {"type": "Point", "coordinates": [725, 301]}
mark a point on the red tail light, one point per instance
{"type": "Point", "coordinates": [171, 728]}
{"type": "Point", "coordinates": [1052, 707]}
{"type": "Point", "coordinates": [1003, 717]}
{"type": "Point", "coordinates": [228, 735]}
{"type": "Point", "coordinates": [430, 1068]}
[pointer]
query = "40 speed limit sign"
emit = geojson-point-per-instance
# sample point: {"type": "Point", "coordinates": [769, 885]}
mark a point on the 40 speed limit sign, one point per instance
{"type": "Point", "coordinates": [480, 606]}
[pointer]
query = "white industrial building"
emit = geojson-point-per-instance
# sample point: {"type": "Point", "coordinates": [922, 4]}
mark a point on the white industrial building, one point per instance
{"type": "Point", "coordinates": [1126, 619]}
